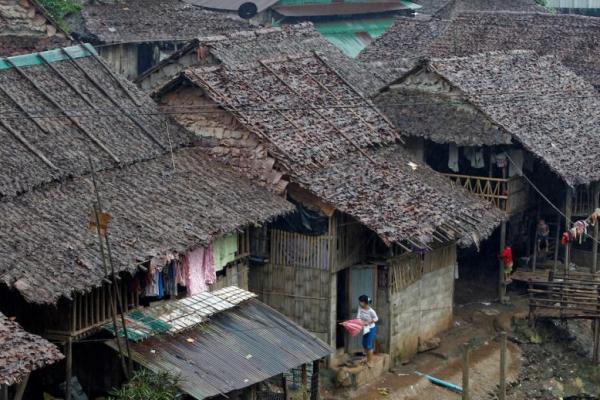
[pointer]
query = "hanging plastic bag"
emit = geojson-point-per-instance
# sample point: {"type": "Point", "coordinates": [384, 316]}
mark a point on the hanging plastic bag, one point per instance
{"type": "Point", "coordinates": [353, 326]}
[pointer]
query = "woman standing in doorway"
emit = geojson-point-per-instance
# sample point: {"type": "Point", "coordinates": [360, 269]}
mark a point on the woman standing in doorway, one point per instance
{"type": "Point", "coordinates": [368, 317]}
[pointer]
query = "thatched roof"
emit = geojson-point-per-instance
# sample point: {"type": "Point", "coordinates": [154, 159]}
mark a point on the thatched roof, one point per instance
{"type": "Point", "coordinates": [536, 101]}
{"type": "Point", "coordinates": [452, 8]}
{"type": "Point", "coordinates": [25, 26]}
{"type": "Point", "coordinates": [22, 352]}
{"type": "Point", "coordinates": [49, 251]}
{"type": "Point", "coordinates": [151, 21]}
{"type": "Point", "coordinates": [58, 113]}
{"type": "Point", "coordinates": [572, 38]}
{"type": "Point", "coordinates": [323, 135]}
{"type": "Point", "coordinates": [242, 47]}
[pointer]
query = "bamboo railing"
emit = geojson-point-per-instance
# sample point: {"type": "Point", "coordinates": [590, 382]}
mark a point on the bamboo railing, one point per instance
{"type": "Point", "coordinates": [509, 194]}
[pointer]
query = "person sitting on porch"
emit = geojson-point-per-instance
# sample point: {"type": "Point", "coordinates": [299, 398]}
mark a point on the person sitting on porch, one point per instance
{"type": "Point", "coordinates": [543, 234]}
{"type": "Point", "coordinates": [368, 317]}
{"type": "Point", "coordinates": [507, 260]}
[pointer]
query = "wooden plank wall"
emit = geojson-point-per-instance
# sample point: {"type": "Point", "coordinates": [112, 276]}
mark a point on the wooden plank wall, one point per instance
{"type": "Point", "coordinates": [298, 250]}
{"type": "Point", "coordinates": [350, 238]}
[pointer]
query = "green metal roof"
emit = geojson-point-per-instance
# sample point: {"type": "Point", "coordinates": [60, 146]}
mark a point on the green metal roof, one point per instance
{"type": "Point", "coordinates": [353, 35]}
{"type": "Point", "coordinates": [27, 60]}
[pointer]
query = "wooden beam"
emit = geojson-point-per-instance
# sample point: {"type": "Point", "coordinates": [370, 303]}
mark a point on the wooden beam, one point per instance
{"type": "Point", "coordinates": [21, 388]}
{"type": "Point", "coordinates": [69, 370]}
{"type": "Point", "coordinates": [568, 213]}
{"type": "Point", "coordinates": [501, 283]}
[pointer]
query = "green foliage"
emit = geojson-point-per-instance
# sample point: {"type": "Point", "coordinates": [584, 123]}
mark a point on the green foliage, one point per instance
{"type": "Point", "coordinates": [59, 9]}
{"type": "Point", "coordinates": [147, 385]}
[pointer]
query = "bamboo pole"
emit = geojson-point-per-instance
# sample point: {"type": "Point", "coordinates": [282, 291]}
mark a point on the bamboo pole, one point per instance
{"type": "Point", "coordinates": [304, 382]}
{"type": "Point", "coordinates": [21, 388]}
{"type": "Point", "coordinates": [501, 283]}
{"type": "Point", "coordinates": [465, 372]}
{"type": "Point", "coordinates": [568, 213]}
{"type": "Point", "coordinates": [502, 393]}
{"type": "Point", "coordinates": [69, 371]}
{"type": "Point", "coordinates": [556, 244]}
{"type": "Point", "coordinates": [596, 229]}
{"type": "Point", "coordinates": [113, 287]}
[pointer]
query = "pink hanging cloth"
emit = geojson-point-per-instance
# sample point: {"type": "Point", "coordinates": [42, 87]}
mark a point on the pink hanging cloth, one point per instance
{"type": "Point", "coordinates": [194, 264]}
{"type": "Point", "coordinates": [210, 274]}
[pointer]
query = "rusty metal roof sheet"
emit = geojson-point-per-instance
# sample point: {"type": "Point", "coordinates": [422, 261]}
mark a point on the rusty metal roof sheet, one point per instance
{"type": "Point", "coordinates": [22, 352]}
{"type": "Point", "coordinates": [237, 348]}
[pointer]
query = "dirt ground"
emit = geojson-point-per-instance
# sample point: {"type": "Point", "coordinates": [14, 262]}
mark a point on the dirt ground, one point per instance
{"type": "Point", "coordinates": [546, 363]}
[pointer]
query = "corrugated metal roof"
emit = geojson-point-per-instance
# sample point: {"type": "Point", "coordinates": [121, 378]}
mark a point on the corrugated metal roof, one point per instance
{"type": "Point", "coordinates": [179, 315]}
{"type": "Point", "coordinates": [232, 5]}
{"type": "Point", "coordinates": [235, 349]}
{"type": "Point", "coordinates": [352, 36]}
{"type": "Point", "coordinates": [316, 10]}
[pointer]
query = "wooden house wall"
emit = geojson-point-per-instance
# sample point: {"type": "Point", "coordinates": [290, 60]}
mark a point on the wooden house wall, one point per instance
{"type": "Point", "coordinates": [162, 75]}
{"type": "Point", "coordinates": [123, 58]}
{"type": "Point", "coordinates": [296, 279]}
{"type": "Point", "coordinates": [416, 303]}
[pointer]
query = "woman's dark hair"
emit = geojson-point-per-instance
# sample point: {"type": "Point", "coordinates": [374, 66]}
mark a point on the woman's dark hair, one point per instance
{"type": "Point", "coordinates": [364, 299]}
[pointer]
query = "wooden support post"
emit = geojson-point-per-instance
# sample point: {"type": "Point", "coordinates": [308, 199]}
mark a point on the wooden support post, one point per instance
{"type": "Point", "coordinates": [596, 205]}
{"type": "Point", "coordinates": [3, 392]}
{"type": "Point", "coordinates": [465, 372]}
{"type": "Point", "coordinates": [596, 331]}
{"type": "Point", "coordinates": [314, 382]}
{"type": "Point", "coordinates": [568, 213]}
{"type": "Point", "coordinates": [501, 283]}
{"type": "Point", "coordinates": [304, 382]}
{"type": "Point", "coordinates": [502, 392]}
{"type": "Point", "coordinates": [284, 386]}
{"type": "Point", "coordinates": [21, 388]}
{"type": "Point", "coordinates": [556, 244]}
{"type": "Point", "coordinates": [535, 251]}
{"type": "Point", "coordinates": [69, 371]}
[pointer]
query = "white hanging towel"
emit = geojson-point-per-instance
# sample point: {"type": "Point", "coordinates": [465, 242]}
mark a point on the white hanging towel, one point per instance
{"type": "Point", "coordinates": [475, 156]}
{"type": "Point", "coordinates": [453, 157]}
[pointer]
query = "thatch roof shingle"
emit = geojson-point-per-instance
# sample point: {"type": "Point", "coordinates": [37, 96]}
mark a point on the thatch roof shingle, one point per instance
{"type": "Point", "coordinates": [250, 46]}
{"type": "Point", "coordinates": [536, 101]}
{"type": "Point", "coordinates": [452, 8]}
{"type": "Point", "coordinates": [62, 106]}
{"type": "Point", "coordinates": [151, 21]}
{"type": "Point", "coordinates": [25, 26]}
{"type": "Point", "coordinates": [572, 38]}
{"type": "Point", "coordinates": [49, 251]}
{"type": "Point", "coordinates": [22, 352]}
{"type": "Point", "coordinates": [323, 134]}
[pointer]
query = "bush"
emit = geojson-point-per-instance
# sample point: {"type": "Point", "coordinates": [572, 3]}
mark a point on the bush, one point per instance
{"type": "Point", "coordinates": [147, 385]}
{"type": "Point", "coordinates": [59, 9]}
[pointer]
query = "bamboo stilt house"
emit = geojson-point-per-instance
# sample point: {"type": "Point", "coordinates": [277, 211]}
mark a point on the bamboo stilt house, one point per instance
{"type": "Point", "coordinates": [100, 193]}
{"type": "Point", "coordinates": [295, 125]}
{"type": "Point", "coordinates": [134, 35]}
{"type": "Point", "coordinates": [513, 127]}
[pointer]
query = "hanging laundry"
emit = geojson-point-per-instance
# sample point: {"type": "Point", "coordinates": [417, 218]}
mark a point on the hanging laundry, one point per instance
{"type": "Point", "coordinates": [515, 168]}
{"type": "Point", "coordinates": [225, 250]}
{"type": "Point", "coordinates": [475, 156]}
{"type": "Point", "coordinates": [501, 160]}
{"type": "Point", "coordinates": [453, 157]}
{"type": "Point", "coordinates": [210, 274]}
{"type": "Point", "coordinates": [170, 278]}
{"type": "Point", "coordinates": [580, 230]}
{"type": "Point", "coordinates": [595, 217]}
{"type": "Point", "coordinates": [566, 238]}
{"type": "Point", "coordinates": [194, 264]}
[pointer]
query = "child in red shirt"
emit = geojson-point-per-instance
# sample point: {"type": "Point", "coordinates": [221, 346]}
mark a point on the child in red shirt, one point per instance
{"type": "Point", "coordinates": [507, 260]}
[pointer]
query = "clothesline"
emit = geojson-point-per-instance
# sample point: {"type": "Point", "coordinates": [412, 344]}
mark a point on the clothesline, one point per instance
{"type": "Point", "coordinates": [545, 197]}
